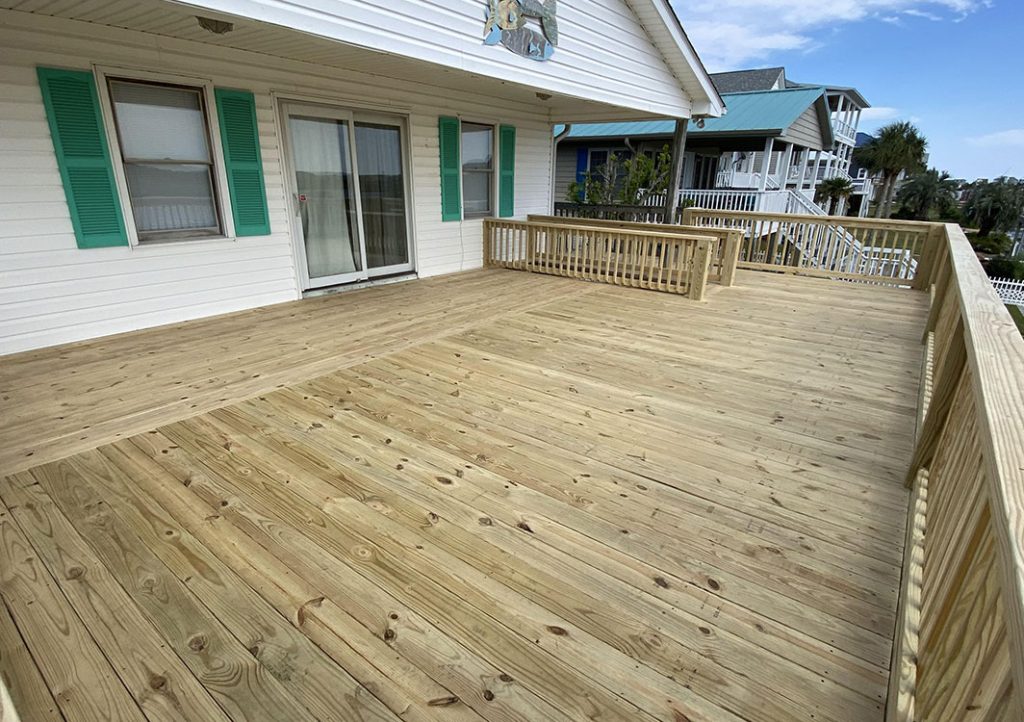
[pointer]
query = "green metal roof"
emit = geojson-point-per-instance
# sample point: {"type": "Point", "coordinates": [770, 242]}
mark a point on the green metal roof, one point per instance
{"type": "Point", "coordinates": [760, 111]}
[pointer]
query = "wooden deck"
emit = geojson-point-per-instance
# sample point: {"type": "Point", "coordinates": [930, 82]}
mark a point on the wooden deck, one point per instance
{"type": "Point", "coordinates": [492, 496]}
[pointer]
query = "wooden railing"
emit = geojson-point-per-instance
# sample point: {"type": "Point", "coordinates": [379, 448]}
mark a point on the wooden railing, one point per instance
{"type": "Point", "coordinates": [959, 650]}
{"type": "Point", "coordinates": [724, 255]}
{"type": "Point", "coordinates": [881, 251]}
{"type": "Point", "coordinates": [959, 644]}
{"type": "Point", "coordinates": [653, 259]}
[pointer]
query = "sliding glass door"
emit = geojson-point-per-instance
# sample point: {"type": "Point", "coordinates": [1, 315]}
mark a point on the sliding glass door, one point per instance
{"type": "Point", "coordinates": [349, 194]}
{"type": "Point", "coordinates": [382, 194]}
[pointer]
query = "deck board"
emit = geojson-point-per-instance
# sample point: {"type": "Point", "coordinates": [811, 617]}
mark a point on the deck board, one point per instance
{"type": "Point", "coordinates": [493, 496]}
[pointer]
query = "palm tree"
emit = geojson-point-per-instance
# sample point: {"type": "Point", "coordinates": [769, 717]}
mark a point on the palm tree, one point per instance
{"type": "Point", "coordinates": [832, 190]}
{"type": "Point", "coordinates": [995, 205]}
{"type": "Point", "coordinates": [923, 193]}
{"type": "Point", "coordinates": [898, 148]}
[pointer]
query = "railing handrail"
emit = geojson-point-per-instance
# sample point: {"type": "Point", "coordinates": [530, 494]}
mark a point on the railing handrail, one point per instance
{"type": "Point", "coordinates": [881, 223]}
{"type": "Point", "coordinates": [967, 477]}
{"type": "Point", "coordinates": [995, 353]}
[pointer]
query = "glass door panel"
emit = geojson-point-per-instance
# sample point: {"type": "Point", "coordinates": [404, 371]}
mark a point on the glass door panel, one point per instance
{"type": "Point", "coordinates": [382, 193]}
{"type": "Point", "coordinates": [325, 197]}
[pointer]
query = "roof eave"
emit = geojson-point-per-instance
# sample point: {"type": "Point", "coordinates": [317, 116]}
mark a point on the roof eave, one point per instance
{"type": "Point", "coordinates": [711, 105]}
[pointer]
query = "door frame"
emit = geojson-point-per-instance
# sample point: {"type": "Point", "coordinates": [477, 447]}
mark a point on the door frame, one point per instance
{"type": "Point", "coordinates": [351, 114]}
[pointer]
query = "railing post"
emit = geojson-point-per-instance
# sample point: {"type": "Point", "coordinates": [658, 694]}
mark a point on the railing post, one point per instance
{"type": "Point", "coordinates": [925, 275]}
{"type": "Point", "coordinates": [698, 281]}
{"type": "Point", "coordinates": [688, 216]}
{"type": "Point", "coordinates": [531, 246]}
{"type": "Point", "coordinates": [487, 242]}
{"type": "Point", "coordinates": [731, 257]}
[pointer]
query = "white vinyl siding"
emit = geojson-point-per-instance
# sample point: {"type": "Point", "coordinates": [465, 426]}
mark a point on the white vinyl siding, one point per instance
{"type": "Point", "coordinates": [52, 292]}
{"type": "Point", "coordinates": [806, 131]}
{"type": "Point", "coordinates": [603, 51]}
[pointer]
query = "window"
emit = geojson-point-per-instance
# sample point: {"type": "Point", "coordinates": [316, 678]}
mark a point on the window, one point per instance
{"type": "Point", "coordinates": [477, 169]}
{"type": "Point", "coordinates": [163, 134]}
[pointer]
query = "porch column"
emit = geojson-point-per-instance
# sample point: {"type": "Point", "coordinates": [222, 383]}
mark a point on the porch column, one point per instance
{"type": "Point", "coordinates": [805, 156]}
{"type": "Point", "coordinates": [766, 163]}
{"type": "Point", "coordinates": [817, 167]}
{"type": "Point", "coordinates": [784, 163]}
{"type": "Point", "coordinates": [676, 173]}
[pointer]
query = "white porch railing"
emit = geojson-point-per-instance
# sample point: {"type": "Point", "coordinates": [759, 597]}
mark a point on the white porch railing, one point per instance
{"type": "Point", "coordinates": [774, 201]}
{"type": "Point", "coordinates": [799, 203]}
{"type": "Point", "coordinates": [736, 200]}
{"type": "Point", "coordinates": [1009, 290]}
{"type": "Point", "coordinates": [844, 129]}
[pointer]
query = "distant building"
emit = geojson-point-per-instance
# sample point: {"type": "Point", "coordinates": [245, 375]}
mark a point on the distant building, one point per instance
{"type": "Point", "coordinates": [777, 135]}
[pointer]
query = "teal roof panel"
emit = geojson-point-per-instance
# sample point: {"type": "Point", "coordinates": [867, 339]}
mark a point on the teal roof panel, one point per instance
{"type": "Point", "coordinates": [766, 110]}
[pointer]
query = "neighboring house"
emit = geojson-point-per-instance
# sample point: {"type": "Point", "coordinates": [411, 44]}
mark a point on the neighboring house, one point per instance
{"type": "Point", "coordinates": [166, 161]}
{"type": "Point", "coordinates": [729, 153]}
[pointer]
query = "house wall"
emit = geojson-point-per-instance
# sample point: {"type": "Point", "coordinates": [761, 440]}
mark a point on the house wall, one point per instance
{"type": "Point", "coordinates": [53, 292]}
{"type": "Point", "coordinates": [565, 169]}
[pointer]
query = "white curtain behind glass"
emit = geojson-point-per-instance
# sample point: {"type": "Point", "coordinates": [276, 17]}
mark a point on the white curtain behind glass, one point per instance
{"type": "Point", "coordinates": [162, 132]}
{"type": "Point", "coordinates": [324, 180]}
{"type": "Point", "coordinates": [382, 192]}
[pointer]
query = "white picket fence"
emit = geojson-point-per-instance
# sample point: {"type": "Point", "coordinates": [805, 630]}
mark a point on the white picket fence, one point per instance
{"type": "Point", "coordinates": [1009, 291]}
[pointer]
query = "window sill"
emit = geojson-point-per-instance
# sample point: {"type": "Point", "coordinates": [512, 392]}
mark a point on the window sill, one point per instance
{"type": "Point", "coordinates": [165, 242]}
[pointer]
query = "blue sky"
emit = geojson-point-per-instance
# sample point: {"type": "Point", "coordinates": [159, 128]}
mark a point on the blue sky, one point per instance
{"type": "Point", "coordinates": [953, 67]}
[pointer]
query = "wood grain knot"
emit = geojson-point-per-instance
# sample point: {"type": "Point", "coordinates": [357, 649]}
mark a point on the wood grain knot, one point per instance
{"type": "Point", "coordinates": [157, 681]}
{"type": "Point", "coordinates": [713, 584]}
{"type": "Point", "coordinates": [558, 631]}
{"type": "Point", "coordinates": [661, 582]}
{"type": "Point", "coordinates": [485, 521]}
{"type": "Point", "coordinates": [705, 631]}
{"type": "Point", "coordinates": [524, 526]}
{"type": "Point", "coordinates": [390, 635]}
{"type": "Point", "coordinates": [197, 643]}
{"type": "Point", "coordinates": [488, 695]}
{"type": "Point", "coordinates": [505, 677]}
{"type": "Point", "coordinates": [444, 480]}
{"type": "Point", "coordinates": [74, 572]}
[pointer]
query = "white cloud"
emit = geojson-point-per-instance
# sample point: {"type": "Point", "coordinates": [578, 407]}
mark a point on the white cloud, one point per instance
{"type": "Point", "coordinates": [879, 113]}
{"type": "Point", "coordinates": [1002, 138]}
{"type": "Point", "coordinates": [732, 34]}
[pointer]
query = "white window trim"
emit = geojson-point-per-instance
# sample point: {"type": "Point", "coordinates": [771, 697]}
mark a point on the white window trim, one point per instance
{"type": "Point", "coordinates": [495, 170]}
{"type": "Point", "coordinates": [220, 178]}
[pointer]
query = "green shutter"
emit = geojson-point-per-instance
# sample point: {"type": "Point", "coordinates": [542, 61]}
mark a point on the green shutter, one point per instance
{"type": "Point", "coordinates": [236, 113]}
{"type": "Point", "coordinates": [83, 156]}
{"type": "Point", "coordinates": [506, 171]}
{"type": "Point", "coordinates": [450, 140]}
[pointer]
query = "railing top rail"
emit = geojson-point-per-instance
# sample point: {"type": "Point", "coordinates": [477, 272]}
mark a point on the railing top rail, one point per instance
{"type": "Point", "coordinates": [838, 220]}
{"type": "Point", "coordinates": [611, 223]}
{"type": "Point", "coordinates": [657, 229]}
{"type": "Point", "coordinates": [995, 354]}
